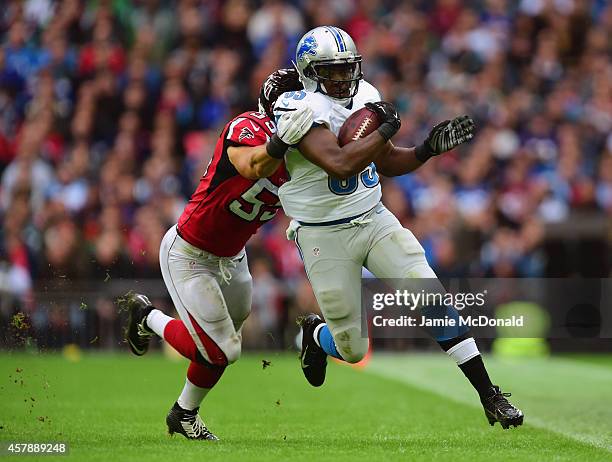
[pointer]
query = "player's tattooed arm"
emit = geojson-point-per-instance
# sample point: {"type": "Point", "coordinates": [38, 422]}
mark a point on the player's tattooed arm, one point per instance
{"type": "Point", "coordinates": [320, 146]}
{"type": "Point", "coordinates": [443, 137]}
{"type": "Point", "coordinates": [253, 162]}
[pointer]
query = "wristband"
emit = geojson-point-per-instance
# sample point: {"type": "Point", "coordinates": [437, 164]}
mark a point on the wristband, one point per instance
{"type": "Point", "coordinates": [387, 130]}
{"type": "Point", "coordinates": [422, 153]}
{"type": "Point", "coordinates": [276, 147]}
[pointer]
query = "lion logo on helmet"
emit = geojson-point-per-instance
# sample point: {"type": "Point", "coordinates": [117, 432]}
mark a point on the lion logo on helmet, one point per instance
{"type": "Point", "coordinates": [308, 46]}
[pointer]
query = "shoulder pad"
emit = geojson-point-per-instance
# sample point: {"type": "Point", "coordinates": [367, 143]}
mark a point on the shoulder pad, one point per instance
{"type": "Point", "coordinates": [246, 131]}
{"type": "Point", "coordinates": [320, 105]}
{"type": "Point", "coordinates": [368, 93]}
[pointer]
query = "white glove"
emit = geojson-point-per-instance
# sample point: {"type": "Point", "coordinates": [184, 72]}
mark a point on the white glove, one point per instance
{"type": "Point", "coordinates": [293, 125]}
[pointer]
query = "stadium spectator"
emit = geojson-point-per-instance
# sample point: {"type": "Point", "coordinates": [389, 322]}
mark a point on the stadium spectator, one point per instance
{"type": "Point", "coordinates": [109, 111]}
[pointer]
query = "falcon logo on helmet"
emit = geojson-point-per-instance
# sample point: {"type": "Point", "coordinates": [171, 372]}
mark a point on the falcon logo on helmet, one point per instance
{"type": "Point", "coordinates": [328, 62]}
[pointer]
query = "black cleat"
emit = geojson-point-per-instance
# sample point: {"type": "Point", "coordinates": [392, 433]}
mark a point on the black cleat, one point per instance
{"type": "Point", "coordinates": [498, 409]}
{"type": "Point", "coordinates": [188, 423]}
{"type": "Point", "coordinates": [312, 356]}
{"type": "Point", "coordinates": [137, 334]}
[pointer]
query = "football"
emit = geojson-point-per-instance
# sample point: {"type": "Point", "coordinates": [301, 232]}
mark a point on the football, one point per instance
{"type": "Point", "coordinates": [359, 125]}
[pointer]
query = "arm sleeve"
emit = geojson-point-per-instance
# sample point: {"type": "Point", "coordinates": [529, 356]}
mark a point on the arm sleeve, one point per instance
{"type": "Point", "coordinates": [243, 131]}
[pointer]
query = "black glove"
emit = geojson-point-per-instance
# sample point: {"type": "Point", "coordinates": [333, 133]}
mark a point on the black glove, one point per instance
{"type": "Point", "coordinates": [389, 119]}
{"type": "Point", "coordinates": [446, 136]}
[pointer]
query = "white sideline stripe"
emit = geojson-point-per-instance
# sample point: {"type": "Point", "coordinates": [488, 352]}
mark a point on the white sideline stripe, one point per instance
{"type": "Point", "coordinates": [384, 371]}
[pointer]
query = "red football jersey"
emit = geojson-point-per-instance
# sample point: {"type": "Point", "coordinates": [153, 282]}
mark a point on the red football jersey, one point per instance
{"type": "Point", "coordinates": [227, 209]}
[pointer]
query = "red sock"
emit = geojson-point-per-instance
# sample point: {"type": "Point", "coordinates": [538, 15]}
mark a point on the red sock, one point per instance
{"type": "Point", "coordinates": [203, 376]}
{"type": "Point", "coordinates": [177, 335]}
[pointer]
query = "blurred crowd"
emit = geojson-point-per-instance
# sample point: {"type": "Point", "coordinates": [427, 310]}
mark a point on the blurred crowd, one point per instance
{"type": "Point", "coordinates": [110, 110]}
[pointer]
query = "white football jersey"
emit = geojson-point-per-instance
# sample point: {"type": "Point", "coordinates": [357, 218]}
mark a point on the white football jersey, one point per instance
{"type": "Point", "coordinates": [311, 195]}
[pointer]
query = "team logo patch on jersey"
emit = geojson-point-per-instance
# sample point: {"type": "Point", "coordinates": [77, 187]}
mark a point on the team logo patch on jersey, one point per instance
{"type": "Point", "coordinates": [316, 251]}
{"type": "Point", "coordinates": [309, 45]}
{"type": "Point", "coordinates": [246, 133]}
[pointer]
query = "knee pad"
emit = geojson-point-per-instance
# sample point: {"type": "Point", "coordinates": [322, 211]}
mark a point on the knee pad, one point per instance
{"type": "Point", "coordinates": [351, 345]}
{"type": "Point", "coordinates": [220, 353]}
{"type": "Point", "coordinates": [232, 347]}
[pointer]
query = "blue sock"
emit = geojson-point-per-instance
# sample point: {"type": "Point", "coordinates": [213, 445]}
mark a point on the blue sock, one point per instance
{"type": "Point", "coordinates": [327, 342]}
{"type": "Point", "coordinates": [448, 332]}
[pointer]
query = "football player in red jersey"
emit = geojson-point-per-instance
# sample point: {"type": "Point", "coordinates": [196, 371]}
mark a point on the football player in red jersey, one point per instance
{"type": "Point", "coordinates": [202, 258]}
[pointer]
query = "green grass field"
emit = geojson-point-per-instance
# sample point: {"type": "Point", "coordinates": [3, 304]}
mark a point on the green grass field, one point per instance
{"type": "Point", "coordinates": [408, 407]}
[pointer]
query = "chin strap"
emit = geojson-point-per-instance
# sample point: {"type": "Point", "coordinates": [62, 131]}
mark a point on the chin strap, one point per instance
{"type": "Point", "coordinates": [348, 101]}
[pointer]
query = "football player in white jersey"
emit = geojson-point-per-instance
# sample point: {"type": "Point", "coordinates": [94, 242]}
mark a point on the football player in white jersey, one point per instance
{"type": "Point", "coordinates": [339, 223]}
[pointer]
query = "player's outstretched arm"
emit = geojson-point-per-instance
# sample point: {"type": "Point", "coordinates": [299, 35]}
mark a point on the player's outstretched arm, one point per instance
{"type": "Point", "coordinates": [320, 146]}
{"type": "Point", "coordinates": [261, 161]}
{"type": "Point", "coordinates": [253, 162]}
{"type": "Point", "coordinates": [443, 137]}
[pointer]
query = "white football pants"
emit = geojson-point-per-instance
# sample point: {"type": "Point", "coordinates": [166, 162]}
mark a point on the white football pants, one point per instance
{"type": "Point", "coordinates": [334, 256]}
{"type": "Point", "coordinates": [212, 295]}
